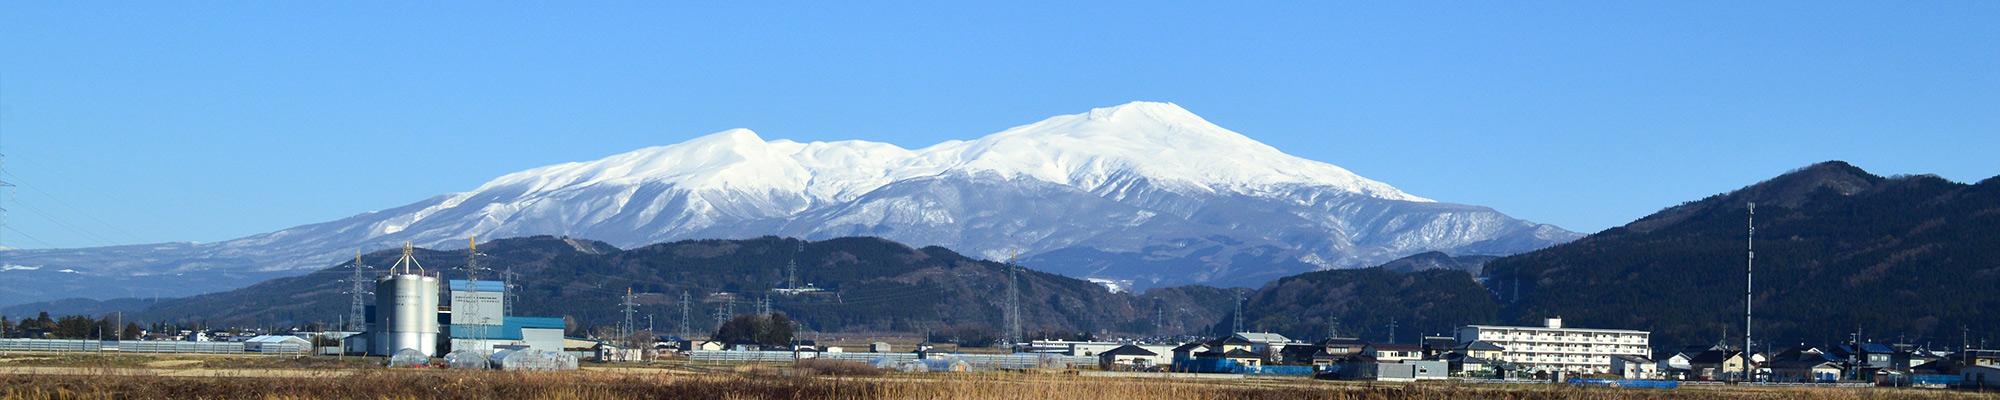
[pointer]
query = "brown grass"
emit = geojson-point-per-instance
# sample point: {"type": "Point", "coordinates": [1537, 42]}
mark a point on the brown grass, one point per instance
{"type": "Point", "coordinates": [416, 384]}
{"type": "Point", "coordinates": [811, 367]}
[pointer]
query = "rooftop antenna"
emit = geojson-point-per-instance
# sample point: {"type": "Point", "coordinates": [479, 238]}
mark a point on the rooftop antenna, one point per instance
{"type": "Point", "coordinates": [1013, 300]}
{"type": "Point", "coordinates": [357, 315]}
{"type": "Point", "coordinates": [1749, 273]}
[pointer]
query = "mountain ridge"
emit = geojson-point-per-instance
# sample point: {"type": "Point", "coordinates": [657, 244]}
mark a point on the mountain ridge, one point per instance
{"type": "Point", "coordinates": [1147, 182]}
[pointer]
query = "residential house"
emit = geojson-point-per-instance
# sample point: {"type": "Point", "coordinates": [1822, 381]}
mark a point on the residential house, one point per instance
{"type": "Point", "coordinates": [1481, 349]}
{"type": "Point", "coordinates": [1981, 376]}
{"type": "Point", "coordinates": [1805, 365]}
{"type": "Point", "coordinates": [1718, 364]}
{"type": "Point", "coordinates": [1129, 356]}
{"type": "Point", "coordinates": [1325, 352]}
{"type": "Point", "coordinates": [1634, 367]}
{"type": "Point", "coordinates": [1393, 352]}
{"type": "Point", "coordinates": [1342, 346]}
{"type": "Point", "coordinates": [1405, 371]}
{"type": "Point", "coordinates": [1187, 351]}
{"type": "Point", "coordinates": [1240, 356]}
{"type": "Point", "coordinates": [1465, 365]}
{"type": "Point", "coordinates": [1972, 357]}
{"type": "Point", "coordinates": [1909, 357]}
{"type": "Point", "coordinates": [1437, 346]}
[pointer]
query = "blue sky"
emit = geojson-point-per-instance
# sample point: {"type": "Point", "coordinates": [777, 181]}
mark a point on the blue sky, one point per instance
{"type": "Point", "coordinates": [150, 122]}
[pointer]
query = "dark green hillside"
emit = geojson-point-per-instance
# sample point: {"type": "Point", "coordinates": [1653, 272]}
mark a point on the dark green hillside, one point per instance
{"type": "Point", "coordinates": [1838, 249]}
{"type": "Point", "coordinates": [1364, 301]}
{"type": "Point", "coordinates": [869, 285]}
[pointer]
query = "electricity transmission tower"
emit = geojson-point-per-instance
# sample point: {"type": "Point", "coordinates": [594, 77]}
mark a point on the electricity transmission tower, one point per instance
{"type": "Point", "coordinates": [507, 278]}
{"type": "Point", "coordinates": [792, 269]}
{"type": "Point", "coordinates": [1238, 326]}
{"type": "Point", "coordinates": [684, 315]}
{"type": "Point", "coordinates": [472, 316]}
{"type": "Point", "coordinates": [627, 331]}
{"type": "Point", "coordinates": [721, 315]}
{"type": "Point", "coordinates": [357, 314]}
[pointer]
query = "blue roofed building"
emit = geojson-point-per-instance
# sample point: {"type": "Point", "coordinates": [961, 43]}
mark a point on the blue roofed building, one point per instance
{"type": "Point", "coordinates": [531, 332]}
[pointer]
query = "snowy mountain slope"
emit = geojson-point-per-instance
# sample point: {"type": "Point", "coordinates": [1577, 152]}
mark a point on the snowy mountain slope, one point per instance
{"type": "Point", "coordinates": [1147, 192]}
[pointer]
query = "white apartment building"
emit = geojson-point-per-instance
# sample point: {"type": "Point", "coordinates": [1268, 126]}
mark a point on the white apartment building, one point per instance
{"type": "Point", "coordinates": [1555, 348]}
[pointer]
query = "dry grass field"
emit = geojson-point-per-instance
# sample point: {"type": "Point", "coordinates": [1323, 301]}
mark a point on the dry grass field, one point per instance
{"type": "Point", "coordinates": [136, 383]}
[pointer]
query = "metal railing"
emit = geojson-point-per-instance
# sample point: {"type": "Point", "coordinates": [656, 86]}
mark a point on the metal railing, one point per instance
{"type": "Point", "coordinates": [147, 347]}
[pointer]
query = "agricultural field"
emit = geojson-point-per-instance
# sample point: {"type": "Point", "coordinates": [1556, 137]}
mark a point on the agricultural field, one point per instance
{"type": "Point", "coordinates": [239, 378]}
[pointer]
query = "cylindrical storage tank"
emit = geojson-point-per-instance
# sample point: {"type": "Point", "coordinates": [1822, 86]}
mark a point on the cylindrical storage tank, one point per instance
{"type": "Point", "coordinates": [407, 308]}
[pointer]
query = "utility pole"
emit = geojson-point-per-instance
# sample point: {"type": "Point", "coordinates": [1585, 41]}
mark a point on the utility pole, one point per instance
{"type": "Point", "coordinates": [1749, 272]}
{"type": "Point", "coordinates": [684, 315]}
{"type": "Point", "coordinates": [6, 193]}
{"type": "Point", "coordinates": [357, 308]}
{"type": "Point", "coordinates": [1392, 330]}
{"type": "Point", "coordinates": [1013, 316]}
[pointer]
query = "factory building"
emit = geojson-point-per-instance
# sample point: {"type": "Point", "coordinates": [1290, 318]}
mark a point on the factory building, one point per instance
{"type": "Point", "coordinates": [406, 315]}
{"type": "Point", "coordinates": [478, 321]}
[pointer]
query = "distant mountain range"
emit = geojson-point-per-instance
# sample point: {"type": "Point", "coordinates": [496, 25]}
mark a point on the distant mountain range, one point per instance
{"type": "Point", "coordinates": [867, 284]}
{"type": "Point", "coordinates": [1908, 258]}
{"type": "Point", "coordinates": [1145, 193]}
{"type": "Point", "coordinates": [1913, 258]}
{"type": "Point", "coordinates": [1839, 250]}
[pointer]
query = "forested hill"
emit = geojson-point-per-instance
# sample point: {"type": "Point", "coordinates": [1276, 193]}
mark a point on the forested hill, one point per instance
{"type": "Point", "coordinates": [869, 285]}
{"type": "Point", "coordinates": [1838, 249]}
{"type": "Point", "coordinates": [1366, 303]}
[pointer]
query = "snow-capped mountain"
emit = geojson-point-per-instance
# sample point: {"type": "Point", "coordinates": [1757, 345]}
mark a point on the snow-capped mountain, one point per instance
{"type": "Point", "coordinates": [1146, 192]}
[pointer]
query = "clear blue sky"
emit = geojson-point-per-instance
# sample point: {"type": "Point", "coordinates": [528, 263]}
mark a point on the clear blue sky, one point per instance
{"type": "Point", "coordinates": [148, 122]}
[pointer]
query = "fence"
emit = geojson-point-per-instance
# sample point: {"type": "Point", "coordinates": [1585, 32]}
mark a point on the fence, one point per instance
{"type": "Point", "coordinates": [978, 361]}
{"type": "Point", "coordinates": [1278, 370]}
{"type": "Point", "coordinates": [132, 346]}
{"type": "Point", "coordinates": [1626, 383]}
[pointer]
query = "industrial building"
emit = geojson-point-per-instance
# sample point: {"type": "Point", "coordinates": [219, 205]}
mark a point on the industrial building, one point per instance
{"type": "Point", "coordinates": [1552, 348]}
{"type": "Point", "coordinates": [406, 315]}
{"type": "Point", "coordinates": [406, 308]}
